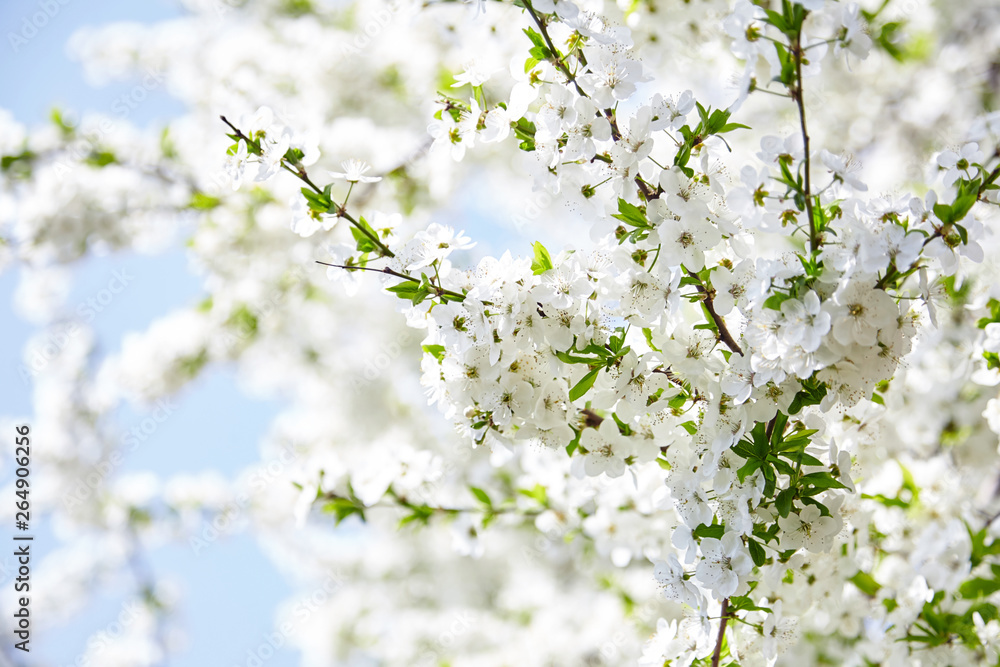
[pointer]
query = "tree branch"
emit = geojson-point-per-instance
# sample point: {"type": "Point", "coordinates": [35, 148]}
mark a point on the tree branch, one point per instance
{"type": "Point", "coordinates": [724, 334]}
{"type": "Point", "coordinates": [722, 633]}
{"type": "Point", "coordinates": [556, 57]}
{"type": "Point", "coordinates": [301, 173]}
{"type": "Point", "coordinates": [800, 102]}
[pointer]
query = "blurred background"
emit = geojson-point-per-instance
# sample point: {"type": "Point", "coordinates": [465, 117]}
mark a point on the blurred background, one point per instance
{"type": "Point", "coordinates": [215, 426]}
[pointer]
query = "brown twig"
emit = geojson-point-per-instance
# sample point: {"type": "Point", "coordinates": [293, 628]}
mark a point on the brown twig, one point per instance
{"type": "Point", "coordinates": [800, 102]}
{"type": "Point", "coordinates": [724, 334]}
{"type": "Point", "coordinates": [722, 633]}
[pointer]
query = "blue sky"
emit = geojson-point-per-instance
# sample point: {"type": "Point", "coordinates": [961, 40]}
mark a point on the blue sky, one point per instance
{"type": "Point", "coordinates": [230, 590]}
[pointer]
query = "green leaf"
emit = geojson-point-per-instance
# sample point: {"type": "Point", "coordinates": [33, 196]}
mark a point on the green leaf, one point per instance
{"type": "Point", "coordinates": [716, 530]}
{"type": "Point", "coordinates": [100, 158]}
{"type": "Point", "coordinates": [342, 508]}
{"type": "Point", "coordinates": [631, 214]}
{"type": "Point", "coordinates": [203, 202]}
{"type": "Point", "coordinates": [318, 201]}
{"type": "Point", "coordinates": [535, 37]}
{"type": "Point", "coordinates": [419, 513]}
{"type": "Point", "coordinates": [812, 393]}
{"type": "Point", "coordinates": [481, 496]}
{"type": "Point", "coordinates": [538, 493]}
{"type": "Point", "coordinates": [411, 290]}
{"type": "Point", "coordinates": [980, 549]}
{"type": "Point", "coordinates": [748, 469]}
{"type": "Point", "coordinates": [783, 503]}
{"type": "Point", "coordinates": [944, 212]}
{"type": "Point", "coordinates": [757, 552]}
{"type": "Point", "coordinates": [364, 241]}
{"type": "Point", "coordinates": [584, 385]}
{"type": "Point", "coordinates": [567, 358]}
{"type": "Point", "coordinates": [542, 261]}
{"type": "Point", "coordinates": [978, 588]}
{"type": "Point", "coordinates": [821, 480]}
{"type": "Point", "coordinates": [436, 351]}
{"type": "Point", "coordinates": [775, 300]}
{"type": "Point", "coordinates": [865, 583]}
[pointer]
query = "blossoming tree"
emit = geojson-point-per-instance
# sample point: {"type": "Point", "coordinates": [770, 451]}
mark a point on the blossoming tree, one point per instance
{"type": "Point", "coordinates": [733, 410]}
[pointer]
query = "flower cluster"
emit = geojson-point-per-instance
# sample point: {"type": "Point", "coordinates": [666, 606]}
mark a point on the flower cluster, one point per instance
{"type": "Point", "coordinates": [623, 354]}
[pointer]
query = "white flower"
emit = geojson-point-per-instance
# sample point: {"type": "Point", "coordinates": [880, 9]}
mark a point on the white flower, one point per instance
{"type": "Point", "coordinates": [343, 255]}
{"type": "Point", "coordinates": [852, 35]}
{"type": "Point", "coordinates": [731, 287]}
{"type": "Point", "coordinates": [304, 503]}
{"type": "Point", "coordinates": [740, 26]}
{"type": "Point", "coordinates": [670, 575]}
{"type": "Point", "coordinates": [668, 114]}
{"type": "Point", "coordinates": [808, 529]}
{"type": "Point", "coordinates": [354, 172]}
{"type": "Point", "coordinates": [606, 450]}
{"type": "Point", "coordinates": [956, 164]}
{"type": "Point", "coordinates": [611, 76]}
{"type": "Point", "coordinates": [436, 243]}
{"type": "Point", "coordinates": [273, 147]}
{"type": "Point", "coordinates": [663, 645]}
{"type": "Point", "coordinates": [843, 168]}
{"type": "Point", "coordinates": [723, 563]}
{"type": "Point", "coordinates": [236, 164]}
{"type": "Point", "coordinates": [686, 233]}
{"type": "Point", "coordinates": [805, 322]}
{"type": "Point", "coordinates": [474, 74]}
{"type": "Point", "coordinates": [860, 312]}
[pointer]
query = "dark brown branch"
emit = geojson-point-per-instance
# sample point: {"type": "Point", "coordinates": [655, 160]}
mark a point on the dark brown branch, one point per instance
{"type": "Point", "coordinates": [722, 633]}
{"type": "Point", "coordinates": [724, 334]}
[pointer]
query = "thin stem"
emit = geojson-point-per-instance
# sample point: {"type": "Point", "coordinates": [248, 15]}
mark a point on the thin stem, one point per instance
{"type": "Point", "coordinates": [770, 92]}
{"type": "Point", "coordinates": [401, 501]}
{"type": "Point", "coordinates": [440, 291]}
{"type": "Point", "coordinates": [552, 47]}
{"type": "Point", "coordinates": [655, 258]}
{"type": "Point", "coordinates": [717, 653]}
{"type": "Point", "coordinates": [300, 172]}
{"type": "Point", "coordinates": [800, 102]}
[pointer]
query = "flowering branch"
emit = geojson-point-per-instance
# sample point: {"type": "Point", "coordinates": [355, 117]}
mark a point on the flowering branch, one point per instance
{"type": "Point", "coordinates": [798, 95]}
{"type": "Point", "coordinates": [438, 290]}
{"type": "Point", "coordinates": [300, 172]}
{"type": "Point", "coordinates": [556, 57]}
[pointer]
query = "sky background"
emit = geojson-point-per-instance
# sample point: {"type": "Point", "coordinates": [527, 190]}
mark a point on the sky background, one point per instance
{"type": "Point", "coordinates": [229, 591]}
